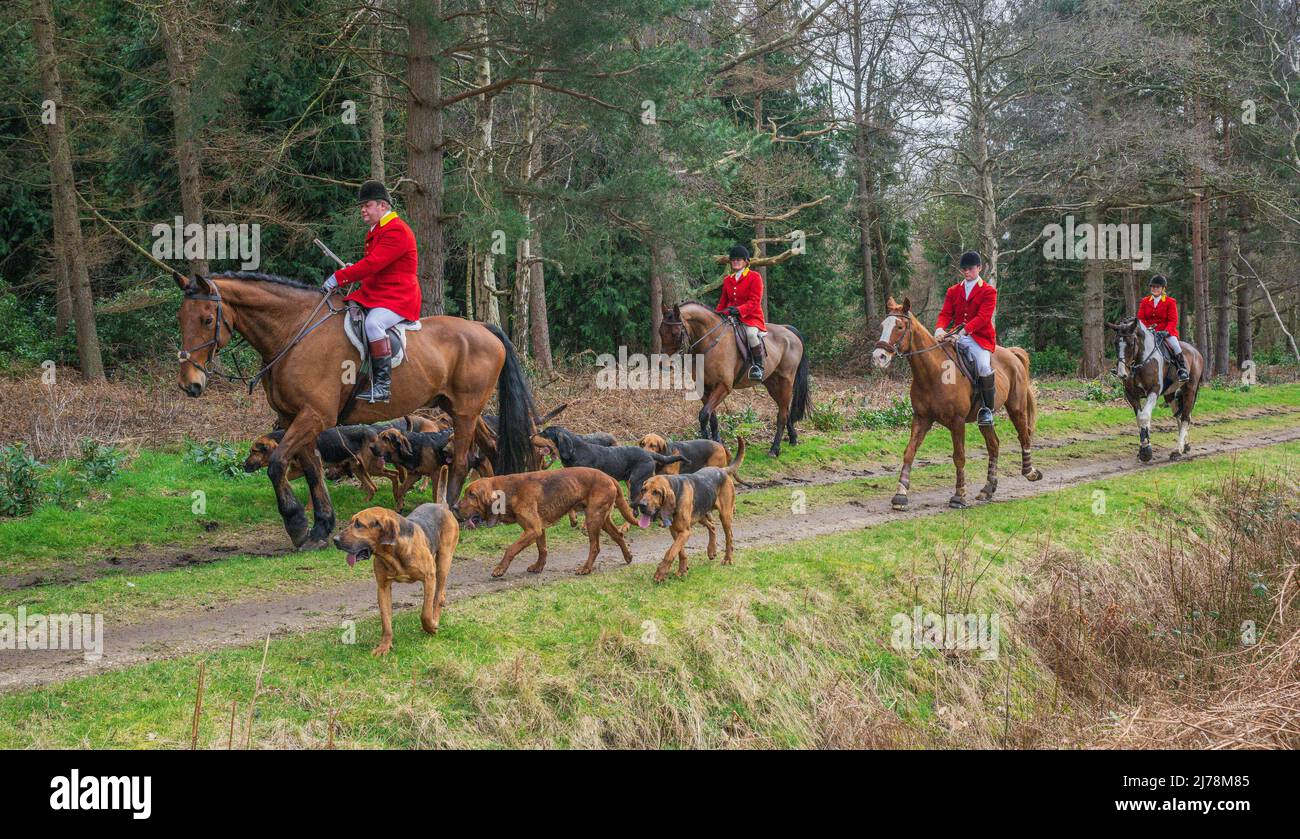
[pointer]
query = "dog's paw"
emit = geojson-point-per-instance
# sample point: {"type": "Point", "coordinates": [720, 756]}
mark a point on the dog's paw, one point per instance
{"type": "Point", "coordinates": [536, 567]}
{"type": "Point", "coordinates": [583, 571]}
{"type": "Point", "coordinates": [382, 650]}
{"type": "Point", "coordinates": [498, 571]}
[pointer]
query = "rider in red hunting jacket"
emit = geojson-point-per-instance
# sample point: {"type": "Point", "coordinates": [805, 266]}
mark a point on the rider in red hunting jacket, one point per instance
{"type": "Point", "coordinates": [742, 297]}
{"type": "Point", "coordinates": [971, 303]}
{"type": "Point", "coordinates": [389, 290]}
{"type": "Point", "coordinates": [1160, 313]}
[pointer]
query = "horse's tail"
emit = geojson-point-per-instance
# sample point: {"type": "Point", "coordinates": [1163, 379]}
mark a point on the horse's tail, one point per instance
{"type": "Point", "coordinates": [517, 414]}
{"type": "Point", "coordinates": [799, 399]}
{"type": "Point", "coordinates": [1031, 398]}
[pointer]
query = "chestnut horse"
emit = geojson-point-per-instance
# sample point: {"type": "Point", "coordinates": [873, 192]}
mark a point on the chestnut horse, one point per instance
{"type": "Point", "coordinates": [942, 394]}
{"type": "Point", "coordinates": [1142, 368]}
{"type": "Point", "coordinates": [309, 370]}
{"type": "Point", "coordinates": [693, 328]}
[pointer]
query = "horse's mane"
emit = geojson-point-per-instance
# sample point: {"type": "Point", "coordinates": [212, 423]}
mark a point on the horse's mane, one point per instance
{"type": "Point", "coordinates": [259, 277]}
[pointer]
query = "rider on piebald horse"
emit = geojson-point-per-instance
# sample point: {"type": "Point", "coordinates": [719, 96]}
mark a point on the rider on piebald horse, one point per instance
{"type": "Point", "coordinates": [742, 298]}
{"type": "Point", "coordinates": [389, 290]}
{"type": "Point", "coordinates": [1159, 312]}
{"type": "Point", "coordinates": [972, 303]}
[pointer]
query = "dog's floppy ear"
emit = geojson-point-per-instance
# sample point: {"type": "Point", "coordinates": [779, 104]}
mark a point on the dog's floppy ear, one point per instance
{"type": "Point", "coordinates": [404, 445]}
{"type": "Point", "coordinates": [388, 531]}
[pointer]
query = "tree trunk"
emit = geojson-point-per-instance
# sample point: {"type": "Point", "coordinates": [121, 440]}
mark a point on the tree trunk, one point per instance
{"type": "Point", "coordinates": [1128, 278]}
{"type": "Point", "coordinates": [1094, 306]}
{"type": "Point", "coordinates": [487, 304]}
{"type": "Point", "coordinates": [64, 192]}
{"type": "Point", "coordinates": [62, 288]}
{"type": "Point", "coordinates": [656, 301]}
{"type": "Point", "coordinates": [1224, 288]}
{"type": "Point", "coordinates": [376, 123]}
{"type": "Point", "coordinates": [540, 327]}
{"type": "Point", "coordinates": [1245, 293]}
{"type": "Point", "coordinates": [862, 211]}
{"type": "Point", "coordinates": [179, 71]}
{"type": "Point", "coordinates": [424, 154]}
{"type": "Point", "coordinates": [1200, 283]}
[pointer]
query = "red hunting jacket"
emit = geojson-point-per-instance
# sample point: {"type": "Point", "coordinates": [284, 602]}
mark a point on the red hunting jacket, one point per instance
{"type": "Point", "coordinates": [1161, 315]}
{"type": "Point", "coordinates": [746, 294]}
{"type": "Point", "coordinates": [975, 311]}
{"type": "Point", "coordinates": [387, 270]}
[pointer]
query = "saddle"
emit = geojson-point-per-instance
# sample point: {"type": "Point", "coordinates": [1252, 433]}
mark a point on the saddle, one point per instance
{"type": "Point", "coordinates": [1171, 382]}
{"type": "Point", "coordinates": [742, 344]}
{"type": "Point", "coordinates": [354, 328]}
{"type": "Point", "coordinates": [970, 369]}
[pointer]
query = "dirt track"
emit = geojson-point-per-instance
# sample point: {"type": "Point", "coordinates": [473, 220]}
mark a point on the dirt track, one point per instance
{"type": "Point", "coordinates": [246, 622]}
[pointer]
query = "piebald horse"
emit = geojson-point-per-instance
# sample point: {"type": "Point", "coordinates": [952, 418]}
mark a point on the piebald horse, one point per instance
{"type": "Point", "coordinates": [309, 370]}
{"type": "Point", "coordinates": [942, 394]}
{"type": "Point", "coordinates": [1142, 368]}
{"type": "Point", "coordinates": [693, 328]}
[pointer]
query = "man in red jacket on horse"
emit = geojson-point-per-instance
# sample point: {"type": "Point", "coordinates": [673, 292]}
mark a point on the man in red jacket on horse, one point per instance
{"type": "Point", "coordinates": [971, 304]}
{"type": "Point", "coordinates": [389, 291]}
{"type": "Point", "coordinates": [1160, 313]}
{"type": "Point", "coordinates": [742, 297]}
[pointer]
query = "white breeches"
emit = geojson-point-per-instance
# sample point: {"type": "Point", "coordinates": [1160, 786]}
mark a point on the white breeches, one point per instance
{"type": "Point", "coordinates": [983, 358]}
{"type": "Point", "coordinates": [753, 336]}
{"type": "Point", "coordinates": [1174, 345]}
{"type": "Point", "coordinates": [378, 322]}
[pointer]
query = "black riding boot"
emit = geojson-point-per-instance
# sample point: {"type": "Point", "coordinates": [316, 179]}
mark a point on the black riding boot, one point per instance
{"type": "Point", "coordinates": [380, 372]}
{"type": "Point", "coordinates": [756, 362]}
{"type": "Point", "coordinates": [1181, 362]}
{"type": "Point", "coordinates": [988, 395]}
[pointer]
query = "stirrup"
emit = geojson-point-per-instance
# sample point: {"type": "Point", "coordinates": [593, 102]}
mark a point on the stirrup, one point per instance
{"type": "Point", "coordinates": [756, 372]}
{"type": "Point", "coordinates": [985, 417]}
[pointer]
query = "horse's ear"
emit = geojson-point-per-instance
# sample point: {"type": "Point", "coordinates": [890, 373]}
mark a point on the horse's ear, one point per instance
{"type": "Point", "coordinates": [181, 282]}
{"type": "Point", "coordinates": [677, 311]}
{"type": "Point", "coordinates": [1114, 326]}
{"type": "Point", "coordinates": [907, 305]}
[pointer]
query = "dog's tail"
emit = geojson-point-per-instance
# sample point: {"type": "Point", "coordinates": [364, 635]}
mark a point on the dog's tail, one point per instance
{"type": "Point", "coordinates": [665, 459]}
{"type": "Point", "coordinates": [515, 426]}
{"type": "Point", "coordinates": [440, 492]}
{"type": "Point", "coordinates": [550, 415]}
{"type": "Point", "coordinates": [623, 508]}
{"type": "Point", "coordinates": [731, 467]}
{"type": "Point", "coordinates": [799, 399]}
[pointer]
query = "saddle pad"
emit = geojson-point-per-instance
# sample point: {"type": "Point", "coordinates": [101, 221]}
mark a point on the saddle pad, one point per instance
{"type": "Point", "coordinates": [354, 328]}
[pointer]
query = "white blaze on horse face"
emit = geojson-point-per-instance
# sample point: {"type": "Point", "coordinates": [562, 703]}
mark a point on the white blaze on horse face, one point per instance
{"type": "Point", "coordinates": [878, 355]}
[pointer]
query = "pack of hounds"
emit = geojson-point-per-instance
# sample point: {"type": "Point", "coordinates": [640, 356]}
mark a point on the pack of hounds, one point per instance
{"type": "Point", "coordinates": [681, 484]}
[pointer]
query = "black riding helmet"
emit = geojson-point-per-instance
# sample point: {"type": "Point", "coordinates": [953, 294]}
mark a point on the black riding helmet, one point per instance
{"type": "Point", "coordinates": [1159, 279]}
{"type": "Point", "coordinates": [739, 252]}
{"type": "Point", "coordinates": [373, 191]}
{"type": "Point", "coordinates": [970, 259]}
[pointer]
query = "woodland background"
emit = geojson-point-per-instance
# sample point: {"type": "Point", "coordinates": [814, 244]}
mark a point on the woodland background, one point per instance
{"type": "Point", "coordinates": [618, 148]}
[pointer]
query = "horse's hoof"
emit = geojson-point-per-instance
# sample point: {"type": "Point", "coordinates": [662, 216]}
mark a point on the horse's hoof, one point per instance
{"type": "Point", "coordinates": [1033, 474]}
{"type": "Point", "coordinates": [773, 452]}
{"type": "Point", "coordinates": [986, 494]}
{"type": "Point", "coordinates": [298, 531]}
{"type": "Point", "coordinates": [899, 502]}
{"type": "Point", "coordinates": [1175, 455]}
{"type": "Point", "coordinates": [1144, 455]}
{"type": "Point", "coordinates": [957, 502]}
{"type": "Point", "coordinates": [314, 545]}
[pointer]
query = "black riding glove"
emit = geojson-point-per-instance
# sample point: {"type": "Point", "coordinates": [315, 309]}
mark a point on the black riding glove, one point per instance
{"type": "Point", "coordinates": [733, 311]}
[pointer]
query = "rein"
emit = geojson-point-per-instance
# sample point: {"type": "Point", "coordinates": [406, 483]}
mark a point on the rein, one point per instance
{"type": "Point", "coordinates": [894, 347]}
{"type": "Point", "coordinates": [688, 347]}
{"type": "Point", "coordinates": [186, 354]}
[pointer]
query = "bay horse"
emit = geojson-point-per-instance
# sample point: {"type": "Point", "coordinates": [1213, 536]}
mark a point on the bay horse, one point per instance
{"type": "Point", "coordinates": [941, 393]}
{"type": "Point", "coordinates": [693, 328]}
{"type": "Point", "coordinates": [310, 367]}
{"type": "Point", "coordinates": [1141, 366]}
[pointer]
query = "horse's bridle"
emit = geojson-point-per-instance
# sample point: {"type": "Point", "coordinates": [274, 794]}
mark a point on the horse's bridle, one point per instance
{"type": "Point", "coordinates": [187, 354]}
{"type": "Point", "coordinates": [685, 334]}
{"type": "Point", "coordinates": [907, 328]}
{"type": "Point", "coordinates": [1134, 366]}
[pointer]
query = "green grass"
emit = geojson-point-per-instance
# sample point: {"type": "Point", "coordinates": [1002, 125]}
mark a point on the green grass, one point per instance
{"type": "Point", "coordinates": [766, 652]}
{"type": "Point", "coordinates": [129, 597]}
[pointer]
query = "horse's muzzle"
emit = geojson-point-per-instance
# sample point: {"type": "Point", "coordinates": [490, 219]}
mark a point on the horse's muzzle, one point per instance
{"type": "Point", "coordinates": [193, 389]}
{"type": "Point", "coordinates": [881, 358]}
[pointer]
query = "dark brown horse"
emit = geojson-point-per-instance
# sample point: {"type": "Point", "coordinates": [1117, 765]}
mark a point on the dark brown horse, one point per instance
{"type": "Point", "coordinates": [693, 328]}
{"type": "Point", "coordinates": [1142, 368]}
{"type": "Point", "coordinates": [310, 367]}
{"type": "Point", "coordinates": [941, 393]}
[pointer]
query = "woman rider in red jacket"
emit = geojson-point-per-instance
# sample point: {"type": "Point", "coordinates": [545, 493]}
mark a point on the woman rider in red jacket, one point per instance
{"type": "Point", "coordinates": [742, 297]}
